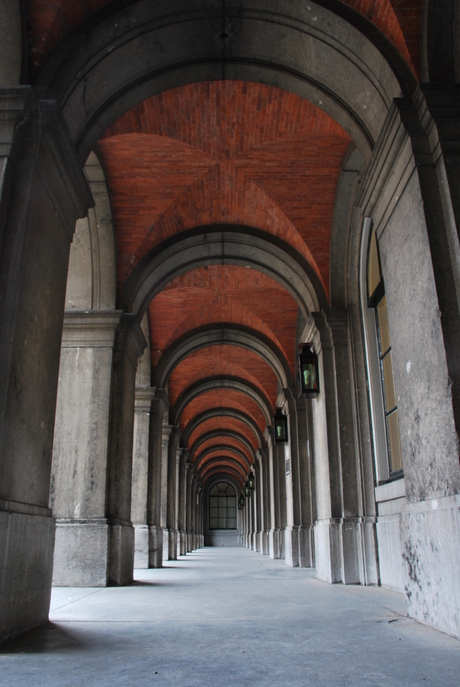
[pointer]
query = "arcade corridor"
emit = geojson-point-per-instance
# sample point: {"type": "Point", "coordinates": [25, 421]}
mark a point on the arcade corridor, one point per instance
{"type": "Point", "coordinates": [229, 316]}
{"type": "Point", "coordinates": [227, 616]}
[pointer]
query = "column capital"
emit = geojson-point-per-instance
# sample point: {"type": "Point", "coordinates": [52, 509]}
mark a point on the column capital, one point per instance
{"type": "Point", "coordinates": [90, 329]}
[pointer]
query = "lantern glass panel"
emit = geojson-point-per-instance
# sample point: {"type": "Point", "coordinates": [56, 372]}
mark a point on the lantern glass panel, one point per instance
{"type": "Point", "coordinates": [281, 431]}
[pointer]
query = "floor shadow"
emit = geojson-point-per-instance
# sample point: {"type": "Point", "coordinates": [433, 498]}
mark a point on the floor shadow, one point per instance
{"type": "Point", "coordinates": [48, 638]}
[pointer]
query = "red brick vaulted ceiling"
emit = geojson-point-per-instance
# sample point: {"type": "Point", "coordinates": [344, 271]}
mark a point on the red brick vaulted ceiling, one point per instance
{"type": "Point", "coordinates": [221, 424]}
{"type": "Point", "coordinates": [222, 359]}
{"type": "Point", "coordinates": [223, 293]}
{"type": "Point", "coordinates": [224, 152]}
{"type": "Point", "coordinates": [50, 20]}
{"type": "Point", "coordinates": [218, 441]}
{"type": "Point", "coordinates": [228, 398]}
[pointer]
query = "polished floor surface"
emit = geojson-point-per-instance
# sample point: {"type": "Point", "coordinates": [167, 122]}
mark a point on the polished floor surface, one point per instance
{"type": "Point", "coordinates": [220, 617]}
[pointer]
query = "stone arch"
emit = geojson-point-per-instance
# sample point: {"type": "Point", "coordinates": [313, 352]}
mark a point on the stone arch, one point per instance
{"type": "Point", "coordinates": [223, 412]}
{"type": "Point", "coordinates": [222, 434]}
{"type": "Point", "coordinates": [217, 475]}
{"type": "Point", "coordinates": [222, 463]}
{"type": "Point", "coordinates": [204, 385]}
{"type": "Point", "coordinates": [104, 67]}
{"type": "Point", "coordinates": [223, 244]}
{"type": "Point", "coordinates": [223, 448]}
{"type": "Point", "coordinates": [228, 334]}
{"type": "Point", "coordinates": [91, 278]}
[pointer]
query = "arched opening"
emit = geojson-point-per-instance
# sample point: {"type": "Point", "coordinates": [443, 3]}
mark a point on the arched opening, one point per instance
{"type": "Point", "coordinates": [244, 167]}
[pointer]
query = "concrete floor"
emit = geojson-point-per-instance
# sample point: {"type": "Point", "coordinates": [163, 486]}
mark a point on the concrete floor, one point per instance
{"type": "Point", "coordinates": [229, 617]}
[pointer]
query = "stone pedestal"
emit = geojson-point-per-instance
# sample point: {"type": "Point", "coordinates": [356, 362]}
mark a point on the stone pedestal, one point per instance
{"type": "Point", "coordinates": [141, 546]}
{"type": "Point", "coordinates": [27, 544]}
{"type": "Point", "coordinates": [155, 546]}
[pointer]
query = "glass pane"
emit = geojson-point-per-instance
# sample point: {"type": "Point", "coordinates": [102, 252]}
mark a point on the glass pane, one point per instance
{"type": "Point", "coordinates": [373, 273]}
{"type": "Point", "coordinates": [231, 512]}
{"type": "Point", "coordinates": [231, 501]}
{"type": "Point", "coordinates": [214, 512]}
{"type": "Point", "coordinates": [215, 490]}
{"type": "Point", "coordinates": [222, 523]}
{"type": "Point", "coordinates": [384, 329]}
{"type": "Point", "coordinates": [393, 440]}
{"type": "Point", "coordinates": [213, 523]}
{"type": "Point", "coordinates": [309, 376]}
{"type": "Point", "coordinates": [213, 501]}
{"type": "Point", "coordinates": [390, 396]}
{"type": "Point", "coordinates": [222, 502]}
{"type": "Point", "coordinates": [232, 524]}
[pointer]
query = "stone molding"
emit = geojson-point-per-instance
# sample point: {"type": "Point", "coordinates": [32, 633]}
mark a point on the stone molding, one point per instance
{"type": "Point", "coordinates": [24, 508]}
{"type": "Point", "coordinates": [92, 329]}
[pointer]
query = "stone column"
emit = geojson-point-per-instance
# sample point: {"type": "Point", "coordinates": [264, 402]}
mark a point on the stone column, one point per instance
{"type": "Point", "coordinates": [273, 535]}
{"type": "Point", "coordinates": [158, 408]}
{"type": "Point", "coordinates": [189, 507]}
{"type": "Point", "coordinates": [42, 193]}
{"type": "Point", "coordinates": [258, 495]}
{"type": "Point", "coordinates": [265, 470]}
{"type": "Point", "coordinates": [166, 432]}
{"type": "Point", "coordinates": [279, 459]}
{"type": "Point", "coordinates": [139, 481]}
{"type": "Point", "coordinates": [339, 528]}
{"type": "Point", "coordinates": [78, 494]}
{"type": "Point", "coordinates": [293, 495]}
{"type": "Point", "coordinates": [306, 533]}
{"type": "Point", "coordinates": [129, 344]}
{"type": "Point", "coordinates": [171, 514]}
{"type": "Point", "coordinates": [182, 503]}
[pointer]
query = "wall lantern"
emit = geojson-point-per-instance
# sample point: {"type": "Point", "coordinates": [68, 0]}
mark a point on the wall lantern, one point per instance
{"type": "Point", "coordinates": [251, 481]}
{"type": "Point", "coordinates": [241, 502]}
{"type": "Point", "coordinates": [247, 491]}
{"type": "Point", "coordinates": [309, 372]}
{"type": "Point", "coordinates": [281, 427]}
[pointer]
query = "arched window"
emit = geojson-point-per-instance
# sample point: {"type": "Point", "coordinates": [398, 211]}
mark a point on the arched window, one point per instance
{"type": "Point", "coordinates": [222, 507]}
{"type": "Point", "coordinates": [377, 300]}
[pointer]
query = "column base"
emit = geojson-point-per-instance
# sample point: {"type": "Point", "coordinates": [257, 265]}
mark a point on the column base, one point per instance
{"type": "Point", "coordinates": [182, 544]}
{"type": "Point", "coordinates": [339, 550]}
{"type": "Point", "coordinates": [165, 545]}
{"type": "Point", "coordinates": [172, 548]}
{"type": "Point", "coordinates": [274, 544]}
{"type": "Point", "coordinates": [265, 547]}
{"type": "Point", "coordinates": [81, 553]}
{"type": "Point", "coordinates": [27, 544]}
{"type": "Point", "coordinates": [305, 546]}
{"type": "Point", "coordinates": [430, 537]}
{"type": "Point", "coordinates": [291, 544]}
{"type": "Point", "coordinates": [121, 553]}
{"type": "Point", "coordinates": [155, 547]}
{"type": "Point", "coordinates": [141, 546]}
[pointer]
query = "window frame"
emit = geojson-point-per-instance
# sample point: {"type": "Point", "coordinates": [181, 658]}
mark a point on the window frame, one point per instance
{"type": "Point", "coordinates": [223, 508]}
{"type": "Point", "coordinates": [374, 360]}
